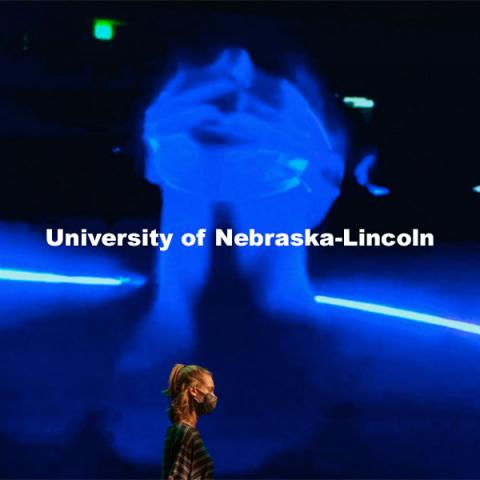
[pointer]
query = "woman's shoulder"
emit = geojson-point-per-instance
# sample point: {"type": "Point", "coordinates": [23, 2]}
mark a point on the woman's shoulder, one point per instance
{"type": "Point", "coordinates": [178, 433]}
{"type": "Point", "coordinates": [186, 430]}
{"type": "Point", "coordinates": [182, 426]}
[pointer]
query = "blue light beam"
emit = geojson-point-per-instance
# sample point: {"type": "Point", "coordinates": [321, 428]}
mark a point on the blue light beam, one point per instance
{"type": "Point", "coordinates": [43, 277]}
{"type": "Point", "coordinates": [399, 313]}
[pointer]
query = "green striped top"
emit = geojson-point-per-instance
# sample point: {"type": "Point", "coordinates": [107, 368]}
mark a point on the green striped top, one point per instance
{"type": "Point", "coordinates": [185, 456]}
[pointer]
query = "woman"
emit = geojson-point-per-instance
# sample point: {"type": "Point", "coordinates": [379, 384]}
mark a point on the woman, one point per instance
{"type": "Point", "coordinates": [191, 393]}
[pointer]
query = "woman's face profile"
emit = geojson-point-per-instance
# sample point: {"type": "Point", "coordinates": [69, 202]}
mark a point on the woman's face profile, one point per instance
{"type": "Point", "coordinates": [205, 387]}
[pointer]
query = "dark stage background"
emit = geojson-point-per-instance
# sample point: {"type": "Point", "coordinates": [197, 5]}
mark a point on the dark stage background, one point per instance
{"type": "Point", "coordinates": [303, 393]}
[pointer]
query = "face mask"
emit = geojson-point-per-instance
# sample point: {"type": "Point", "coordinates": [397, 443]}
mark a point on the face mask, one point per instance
{"type": "Point", "coordinates": [208, 405]}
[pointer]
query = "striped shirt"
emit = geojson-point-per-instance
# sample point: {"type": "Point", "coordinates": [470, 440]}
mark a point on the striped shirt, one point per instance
{"type": "Point", "coordinates": [185, 456]}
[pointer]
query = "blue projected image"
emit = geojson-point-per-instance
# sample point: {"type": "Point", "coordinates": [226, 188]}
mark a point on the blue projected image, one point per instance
{"type": "Point", "coordinates": [232, 145]}
{"type": "Point", "coordinates": [362, 171]}
{"type": "Point", "coordinates": [229, 143]}
{"type": "Point", "coordinates": [258, 147]}
{"type": "Point", "coordinates": [328, 362]}
{"type": "Point", "coordinates": [378, 191]}
{"type": "Point", "coordinates": [229, 131]}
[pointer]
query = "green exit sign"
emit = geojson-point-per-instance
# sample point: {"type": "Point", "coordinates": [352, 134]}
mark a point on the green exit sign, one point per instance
{"type": "Point", "coordinates": [104, 29]}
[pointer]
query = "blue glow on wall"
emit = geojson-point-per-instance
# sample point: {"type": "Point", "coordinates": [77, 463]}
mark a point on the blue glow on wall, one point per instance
{"type": "Point", "coordinates": [377, 190]}
{"type": "Point", "coordinates": [337, 380]}
{"type": "Point", "coordinates": [44, 277]}
{"type": "Point", "coordinates": [229, 131]}
{"type": "Point", "coordinates": [56, 278]}
{"type": "Point", "coordinates": [261, 145]}
{"type": "Point", "coordinates": [399, 313]}
{"type": "Point", "coordinates": [476, 188]}
{"type": "Point", "coordinates": [362, 175]}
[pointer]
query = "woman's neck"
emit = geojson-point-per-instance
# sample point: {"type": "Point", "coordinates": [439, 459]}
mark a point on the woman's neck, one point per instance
{"type": "Point", "coordinates": [191, 420]}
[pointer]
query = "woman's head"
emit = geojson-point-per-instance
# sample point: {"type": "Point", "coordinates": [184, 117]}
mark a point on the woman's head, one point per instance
{"type": "Point", "coordinates": [191, 391]}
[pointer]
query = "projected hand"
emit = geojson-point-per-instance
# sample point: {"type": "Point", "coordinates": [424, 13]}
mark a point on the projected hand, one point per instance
{"type": "Point", "coordinates": [229, 130]}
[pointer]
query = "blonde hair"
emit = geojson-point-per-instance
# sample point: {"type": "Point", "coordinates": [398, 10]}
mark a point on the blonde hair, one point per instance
{"type": "Point", "coordinates": [181, 378]}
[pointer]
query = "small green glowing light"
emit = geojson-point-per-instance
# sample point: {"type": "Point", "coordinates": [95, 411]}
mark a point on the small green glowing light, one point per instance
{"type": "Point", "coordinates": [359, 102]}
{"type": "Point", "coordinates": [104, 29]}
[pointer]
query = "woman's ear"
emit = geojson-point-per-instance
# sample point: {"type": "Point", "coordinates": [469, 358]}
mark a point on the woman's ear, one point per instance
{"type": "Point", "coordinates": [193, 391]}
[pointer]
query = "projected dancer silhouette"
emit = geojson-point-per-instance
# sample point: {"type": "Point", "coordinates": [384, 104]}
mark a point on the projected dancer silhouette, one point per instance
{"type": "Point", "coordinates": [270, 149]}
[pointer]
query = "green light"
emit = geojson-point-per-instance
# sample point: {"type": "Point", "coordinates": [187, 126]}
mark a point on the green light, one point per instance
{"type": "Point", "coordinates": [359, 102]}
{"type": "Point", "coordinates": [104, 29]}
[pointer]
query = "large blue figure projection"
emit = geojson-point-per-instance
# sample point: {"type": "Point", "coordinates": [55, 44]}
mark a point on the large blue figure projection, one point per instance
{"type": "Point", "coordinates": [261, 145]}
{"type": "Point", "coordinates": [294, 370]}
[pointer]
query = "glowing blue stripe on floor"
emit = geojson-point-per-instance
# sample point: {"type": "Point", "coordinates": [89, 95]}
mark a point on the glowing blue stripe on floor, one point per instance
{"type": "Point", "coordinates": [399, 313]}
{"type": "Point", "coordinates": [26, 276]}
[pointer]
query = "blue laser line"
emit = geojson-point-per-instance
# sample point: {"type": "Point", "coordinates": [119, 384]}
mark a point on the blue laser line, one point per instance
{"type": "Point", "coordinates": [399, 313]}
{"type": "Point", "coordinates": [43, 277]}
